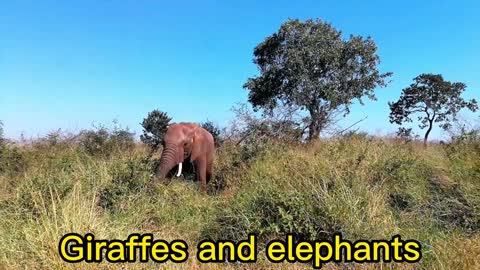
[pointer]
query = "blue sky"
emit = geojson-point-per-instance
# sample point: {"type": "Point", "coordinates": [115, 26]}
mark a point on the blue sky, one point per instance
{"type": "Point", "coordinates": [68, 64]}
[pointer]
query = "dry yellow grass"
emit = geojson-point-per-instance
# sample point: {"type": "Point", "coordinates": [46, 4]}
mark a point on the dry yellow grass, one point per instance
{"type": "Point", "coordinates": [367, 188]}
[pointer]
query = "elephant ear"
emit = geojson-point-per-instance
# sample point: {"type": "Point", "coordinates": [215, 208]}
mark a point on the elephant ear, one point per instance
{"type": "Point", "coordinates": [190, 134]}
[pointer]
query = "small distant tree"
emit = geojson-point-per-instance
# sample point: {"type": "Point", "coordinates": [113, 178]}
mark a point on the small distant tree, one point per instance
{"type": "Point", "coordinates": [433, 99]}
{"type": "Point", "coordinates": [309, 66]}
{"type": "Point", "coordinates": [154, 128]}
{"type": "Point", "coordinates": [214, 130]}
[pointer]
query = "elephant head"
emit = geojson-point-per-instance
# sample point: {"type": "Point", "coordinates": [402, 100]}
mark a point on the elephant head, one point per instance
{"type": "Point", "coordinates": [177, 146]}
{"type": "Point", "coordinates": [183, 140]}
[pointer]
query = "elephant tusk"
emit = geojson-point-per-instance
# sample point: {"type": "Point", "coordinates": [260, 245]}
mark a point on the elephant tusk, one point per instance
{"type": "Point", "coordinates": [179, 169]}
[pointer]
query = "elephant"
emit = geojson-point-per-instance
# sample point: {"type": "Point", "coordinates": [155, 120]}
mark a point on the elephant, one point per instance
{"type": "Point", "coordinates": [187, 142]}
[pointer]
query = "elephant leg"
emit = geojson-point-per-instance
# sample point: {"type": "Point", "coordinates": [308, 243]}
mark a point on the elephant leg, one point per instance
{"type": "Point", "coordinates": [201, 171]}
{"type": "Point", "coordinates": [209, 171]}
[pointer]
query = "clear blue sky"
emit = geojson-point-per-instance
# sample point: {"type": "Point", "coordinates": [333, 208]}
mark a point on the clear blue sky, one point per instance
{"type": "Point", "coordinates": [68, 64]}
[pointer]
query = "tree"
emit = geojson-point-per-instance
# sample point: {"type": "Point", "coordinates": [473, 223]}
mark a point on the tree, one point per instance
{"type": "Point", "coordinates": [433, 99]}
{"type": "Point", "coordinates": [154, 128]}
{"type": "Point", "coordinates": [309, 66]}
{"type": "Point", "coordinates": [214, 130]}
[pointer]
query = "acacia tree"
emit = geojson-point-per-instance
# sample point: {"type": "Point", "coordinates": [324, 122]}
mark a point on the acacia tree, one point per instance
{"type": "Point", "coordinates": [154, 128]}
{"type": "Point", "coordinates": [309, 66]}
{"type": "Point", "coordinates": [433, 99]}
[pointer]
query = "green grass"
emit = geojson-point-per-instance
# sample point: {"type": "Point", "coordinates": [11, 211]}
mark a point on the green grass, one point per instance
{"type": "Point", "coordinates": [365, 188]}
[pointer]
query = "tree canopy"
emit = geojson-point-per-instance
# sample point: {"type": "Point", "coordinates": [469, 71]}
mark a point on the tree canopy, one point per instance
{"type": "Point", "coordinates": [310, 66]}
{"type": "Point", "coordinates": [433, 99]}
{"type": "Point", "coordinates": [154, 128]}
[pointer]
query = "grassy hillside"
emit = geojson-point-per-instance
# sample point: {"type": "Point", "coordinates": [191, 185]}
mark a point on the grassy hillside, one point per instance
{"type": "Point", "coordinates": [365, 188]}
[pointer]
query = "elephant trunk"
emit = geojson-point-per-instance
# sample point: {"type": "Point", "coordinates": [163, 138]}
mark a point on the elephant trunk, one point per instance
{"type": "Point", "coordinates": [167, 162]}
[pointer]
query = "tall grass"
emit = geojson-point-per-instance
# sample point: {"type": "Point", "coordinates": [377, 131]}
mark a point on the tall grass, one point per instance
{"type": "Point", "coordinates": [363, 187]}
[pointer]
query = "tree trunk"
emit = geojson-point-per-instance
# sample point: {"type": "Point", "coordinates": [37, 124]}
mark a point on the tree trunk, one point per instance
{"type": "Point", "coordinates": [313, 130]}
{"type": "Point", "coordinates": [430, 126]}
{"type": "Point", "coordinates": [317, 122]}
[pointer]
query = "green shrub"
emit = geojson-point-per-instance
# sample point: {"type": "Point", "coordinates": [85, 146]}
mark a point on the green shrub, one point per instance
{"type": "Point", "coordinates": [94, 142]}
{"type": "Point", "coordinates": [270, 214]}
{"type": "Point", "coordinates": [12, 160]}
{"type": "Point", "coordinates": [128, 178]}
{"type": "Point", "coordinates": [104, 142]}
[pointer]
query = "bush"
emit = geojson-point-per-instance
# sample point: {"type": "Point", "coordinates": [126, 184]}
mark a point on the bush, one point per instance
{"type": "Point", "coordinates": [128, 179]}
{"type": "Point", "coordinates": [281, 125]}
{"type": "Point", "coordinates": [12, 160]}
{"type": "Point", "coordinates": [122, 138]}
{"type": "Point", "coordinates": [104, 142]}
{"type": "Point", "coordinates": [94, 142]}
{"type": "Point", "coordinates": [268, 212]}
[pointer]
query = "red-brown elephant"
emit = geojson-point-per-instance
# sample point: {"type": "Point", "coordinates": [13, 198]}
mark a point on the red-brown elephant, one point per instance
{"type": "Point", "coordinates": [187, 142]}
